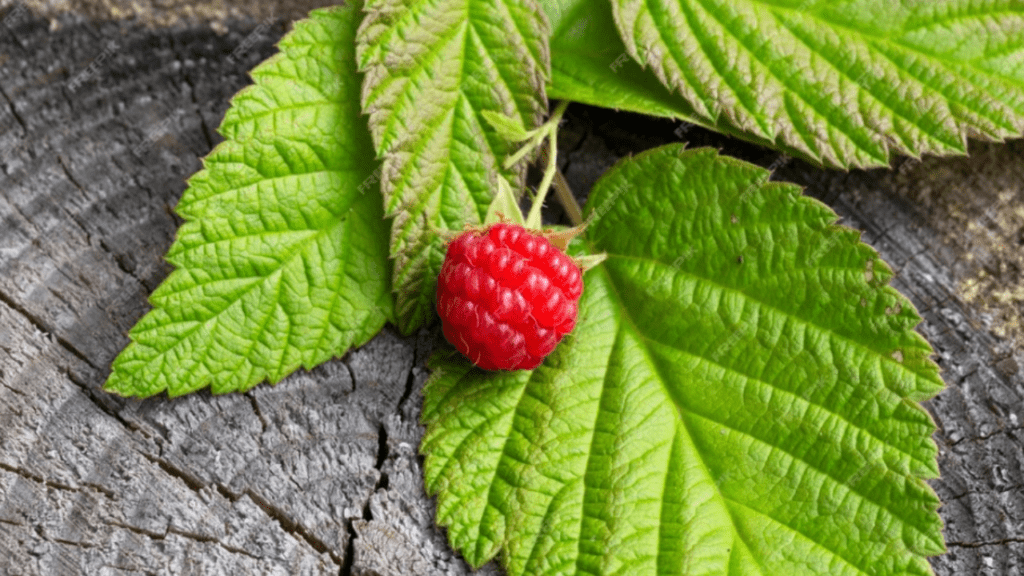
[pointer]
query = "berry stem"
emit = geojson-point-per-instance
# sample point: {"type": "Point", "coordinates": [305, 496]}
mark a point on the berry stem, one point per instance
{"type": "Point", "coordinates": [564, 194]}
{"type": "Point", "coordinates": [535, 139]}
{"type": "Point", "coordinates": [550, 129]}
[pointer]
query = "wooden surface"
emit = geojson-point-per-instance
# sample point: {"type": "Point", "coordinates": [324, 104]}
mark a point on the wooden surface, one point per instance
{"type": "Point", "coordinates": [320, 474]}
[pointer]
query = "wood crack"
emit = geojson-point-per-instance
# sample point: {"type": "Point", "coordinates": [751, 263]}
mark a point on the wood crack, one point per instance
{"type": "Point", "coordinates": [382, 455]}
{"type": "Point", "coordinates": [351, 374]}
{"type": "Point", "coordinates": [350, 550]}
{"type": "Point", "coordinates": [42, 326]}
{"type": "Point", "coordinates": [119, 261]}
{"type": "Point", "coordinates": [36, 478]}
{"type": "Point", "coordinates": [193, 483]}
{"type": "Point", "coordinates": [256, 408]}
{"type": "Point", "coordinates": [292, 527]}
{"type": "Point", "coordinates": [91, 394]}
{"type": "Point", "coordinates": [184, 534]}
{"type": "Point", "coordinates": [410, 382]}
{"type": "Point", "coordinates": [54, 484]}
{"type": "Point", "coordinates": [14, 111]}
{"type": "Point", "coordinates": [381, 484]}
{"type": "Point", "coordinates": [72, 543]}
{"type": "Point", "coordinates": [287, 524]}
{"type": "Point", "coordinates": [1001, 542]}
{"type": "Point", "coordinates": [71, 177]}
{"type": "Point", "coordinates": [211, 540]}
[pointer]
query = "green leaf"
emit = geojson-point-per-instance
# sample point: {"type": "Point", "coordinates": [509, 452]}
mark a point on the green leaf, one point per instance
{"type": "Point", "coordinates": [737, 398]}
{"type": "Point", "coordinates": [282, 260]}
{"type": "Point", "coordinates": [508, 128]}
{"type": "Point", "coordinates": [432, 68]}
{"type": "Point", "coordinates": [844, 83]}
{"type": "Point", "coordinates": [590, 64]}
{"type": "Point", "coordinates": [504, 206]}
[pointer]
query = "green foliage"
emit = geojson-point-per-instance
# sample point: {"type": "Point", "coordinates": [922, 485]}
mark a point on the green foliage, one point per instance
{"type": "Point", "coordinates": [589, 64]}
{"type": "Point", "coordinates": [843, 83]}
{"type": "Point", "coordinates": [738, 398]}
{"type": "Point", "coordinates": [432, 69]}
{"type": "Point", "coordinates": [282, 260]}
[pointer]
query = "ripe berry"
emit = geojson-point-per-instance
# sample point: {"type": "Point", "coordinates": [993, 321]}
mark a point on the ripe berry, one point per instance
{"type": "Point", "coordinates": [506, 296]}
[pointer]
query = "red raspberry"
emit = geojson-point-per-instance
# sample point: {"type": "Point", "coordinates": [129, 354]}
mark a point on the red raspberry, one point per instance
{"type": "Point", "coordinates": [506, 296]}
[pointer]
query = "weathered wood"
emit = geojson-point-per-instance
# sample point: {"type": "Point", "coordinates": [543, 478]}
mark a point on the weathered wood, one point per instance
{"type": "Point", "coordinates": [319, 474]}
{"type": "Point", "coordinates": [276, 481]}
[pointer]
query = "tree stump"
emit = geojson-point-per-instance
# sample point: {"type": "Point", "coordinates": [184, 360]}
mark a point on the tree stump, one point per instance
{"type": "Point", "coordinates": [101, 123]}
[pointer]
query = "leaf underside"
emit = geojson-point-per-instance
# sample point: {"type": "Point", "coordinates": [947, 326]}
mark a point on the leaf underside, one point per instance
{"type": "Point", "coordinates": [739, 397]}
{"type": "Point", "coordinates": [843, 84]}
{"type": "Point", "coordinates": [282, 260]}
{"type": "Point", "coordinates": [432, 69]}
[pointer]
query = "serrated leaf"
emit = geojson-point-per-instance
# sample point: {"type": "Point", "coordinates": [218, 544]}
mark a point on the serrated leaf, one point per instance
{"type": "Point", "coordinates": [282, 260]}
{"type": "Point", "coordinates": [738, 398]}
{"type": "Point", "coordinates": [431, 69]}
{"type": "Point", "coordinates": [846, 84]}
{"type": "Point", "coordinates": [590, 64]}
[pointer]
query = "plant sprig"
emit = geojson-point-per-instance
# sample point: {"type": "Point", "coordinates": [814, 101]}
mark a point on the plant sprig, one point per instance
{"type": "Point", "coordinates": [759, 392]}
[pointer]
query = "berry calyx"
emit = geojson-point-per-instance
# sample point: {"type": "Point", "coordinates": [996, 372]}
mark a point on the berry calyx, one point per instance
{"type": "Point", "coordinates": [506, 296]}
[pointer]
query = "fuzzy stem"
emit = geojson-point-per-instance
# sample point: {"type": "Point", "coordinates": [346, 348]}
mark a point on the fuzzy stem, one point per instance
{"type": "Point", "coordinates": [524, 150]}
{"type": "Point", "coordinates": [552, 161]}
{"type": "Point", "coordinates": [545, 183]}
{"type": "Point", "coordinates": [564, 193]}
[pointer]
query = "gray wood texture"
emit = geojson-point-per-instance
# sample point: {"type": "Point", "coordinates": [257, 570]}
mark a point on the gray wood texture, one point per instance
{"type": "Point", "coordinates": [320, 474]}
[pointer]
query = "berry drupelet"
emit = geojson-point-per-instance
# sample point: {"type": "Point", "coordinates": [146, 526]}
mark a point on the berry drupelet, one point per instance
{"type": "Point", "coordinates": [507, 296]}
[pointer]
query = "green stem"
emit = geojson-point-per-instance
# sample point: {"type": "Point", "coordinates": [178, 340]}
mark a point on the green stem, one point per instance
{"type": "Point", "coordinates": [524, 150]}
{"type": "Point", "coordinates": [564, 193]}
{"type": "Point", "coordinates": [551, 131]}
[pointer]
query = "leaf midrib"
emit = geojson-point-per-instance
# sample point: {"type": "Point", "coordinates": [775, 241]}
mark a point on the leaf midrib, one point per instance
{"type": "Point", "coordinates": [854, 136]}
{"type": "Point", "coordinates": [232, 124]}
{"type": "Point", "coordinates": [590, 453]}
{"type": "Point", "coordinates": [821, 329]}
{"type": "Point", "coordinates": [456, 454]}
{"type": "Point", "coordinates": [886, 39]}
{"type": "Point", "coordinates": [680, 421]}
{"type": "Point", "coordinates": [645, 338]}
{"type": "Point", "coordinates": [296, 248]}
{"type": "Point", "coordinates": [936, 90]}
{"type": "Point", "coordinates": [190, 203]}
{"type": "Point", "coordinates": [929, 134]}
{"type": "Point", "coordinates": [724, 500]}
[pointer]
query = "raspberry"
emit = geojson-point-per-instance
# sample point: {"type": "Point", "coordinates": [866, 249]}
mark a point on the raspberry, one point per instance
{"type": "Point", "coordinates": [507, 296]}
